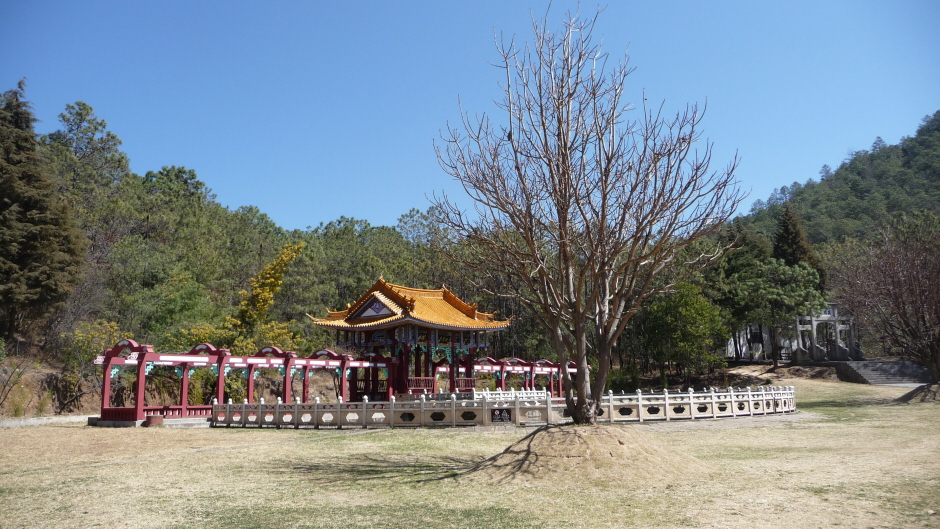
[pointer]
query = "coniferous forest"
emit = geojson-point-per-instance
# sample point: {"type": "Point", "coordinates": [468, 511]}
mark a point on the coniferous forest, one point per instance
{"type": "Point", "coordinates": [864, 192]}
{"type": "Point", "coordinates": [91, 252]}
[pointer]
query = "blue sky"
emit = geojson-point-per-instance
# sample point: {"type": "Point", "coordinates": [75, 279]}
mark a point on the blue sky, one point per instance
{"type": "Point", "coordinates": [313, 110]}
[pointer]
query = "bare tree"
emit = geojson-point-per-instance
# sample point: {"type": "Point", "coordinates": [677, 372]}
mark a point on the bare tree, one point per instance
{"type": "Point", "coordinates": [577, 209]}
{"type": "Point", "coordinates": [892, 284]}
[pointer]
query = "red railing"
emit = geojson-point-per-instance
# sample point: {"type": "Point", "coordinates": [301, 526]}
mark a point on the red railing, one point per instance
{"type": "Point", "coordinates": [199, 411]}
{"type": "Point", "coordinates": [465, 384]}
{"type": "Point", "coordinates": [171, 412]}
{"type": "Point", "coordinates": [418, 384]}
{"type": "Point", "coordinates": [118, 414]}
{"type": "Point", "coordinates": [377, 387]}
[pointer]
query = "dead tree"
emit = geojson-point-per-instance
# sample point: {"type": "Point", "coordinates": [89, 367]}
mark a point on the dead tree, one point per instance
{"type": "Point", "coordinates": [578, 209]}
{"type": "Point", "coordinates": [892, 284]}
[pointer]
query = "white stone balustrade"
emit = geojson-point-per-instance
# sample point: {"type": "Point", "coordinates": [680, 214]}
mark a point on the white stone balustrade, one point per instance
{"type": "Point", "coordinates": [519, 408]}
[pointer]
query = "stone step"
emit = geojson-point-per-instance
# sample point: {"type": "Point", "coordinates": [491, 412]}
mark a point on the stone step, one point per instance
{"type": "Point", "coordinates": [886, 373]}
{"type": "Point", "coordinates": [187, 422]}
{"type": "Point", "coordinates": [16, 422]}
{"type": "Point", "coordinates": [872, 377]}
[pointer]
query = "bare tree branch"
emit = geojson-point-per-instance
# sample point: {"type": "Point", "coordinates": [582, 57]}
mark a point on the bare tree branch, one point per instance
{"type": "Point", "coordinates": [893, 285]}
{"type": "Point", "coordinates": [576, 208]}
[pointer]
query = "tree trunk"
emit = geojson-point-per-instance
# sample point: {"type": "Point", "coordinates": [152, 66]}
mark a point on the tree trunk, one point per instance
{"type": "Point", "coordinates": [579, 399]}
{"type": "Point", "coordinates": [604, 359]}
{"type": "Point", "coordinates": [774, 347]}
{"type": "Point", "coordinates": [931, 360]}
{"type": "Point", "coordinates": [585, 410]}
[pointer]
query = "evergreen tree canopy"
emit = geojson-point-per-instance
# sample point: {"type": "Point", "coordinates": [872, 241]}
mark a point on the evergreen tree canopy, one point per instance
{"type": "Point", "coordinates": [778, 294]}
{"type": "Point", "coordinates": [791, 245]}
{"type": "Point", "coordinates": [719, 282]}
{"type": "Point", "coordinates": [684, 327]}
{"type": "Point", "coordinates": [40, 249]}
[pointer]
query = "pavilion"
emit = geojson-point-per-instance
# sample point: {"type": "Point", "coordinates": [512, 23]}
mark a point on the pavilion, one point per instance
{"type": "Point", "coordinates": [396, 341]}
{"type": "Point", "coordinates": [421, 331]}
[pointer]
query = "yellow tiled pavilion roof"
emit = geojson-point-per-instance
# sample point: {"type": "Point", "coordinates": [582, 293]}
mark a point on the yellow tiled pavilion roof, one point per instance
{"type": "Point", "coordinates": [386, 305]}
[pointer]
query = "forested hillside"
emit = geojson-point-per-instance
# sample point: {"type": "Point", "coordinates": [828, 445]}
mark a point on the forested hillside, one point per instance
{"type": "Point", "coordinates": [853, 215]}
{"type": "Point", "coordinates": [864, 192]}
{"type": "Point", "coordinates": [92, 252]}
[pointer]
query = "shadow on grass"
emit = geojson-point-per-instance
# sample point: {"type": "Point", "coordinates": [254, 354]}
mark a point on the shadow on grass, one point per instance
{"type": "Point", "coordinates": [386, 469]}
{"type": "Point", "coordinates": [818, 405]}
{"type": "Point", "coordinates": [517, 458]}
{"type": "Point", "coordinates": [521, 458]}
{"type": "Point", "coordinates": [387, 513]}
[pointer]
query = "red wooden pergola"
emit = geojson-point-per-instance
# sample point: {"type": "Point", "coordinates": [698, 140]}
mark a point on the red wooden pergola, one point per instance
{"type": "Point", "coordinates": [221, 361]}
{"type": "Point", "coordinates": [130, 353]}
{"type": "Point", "coordinates": [358, 378]}
{"type": "Point", "coordinates": [501, 369]}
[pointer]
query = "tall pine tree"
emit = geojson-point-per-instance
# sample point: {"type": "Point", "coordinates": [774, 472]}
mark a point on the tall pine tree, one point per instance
{"type": "Point", "coordinates": [792, 247]}
{"type": "Point", "coordinates": [40, 248]}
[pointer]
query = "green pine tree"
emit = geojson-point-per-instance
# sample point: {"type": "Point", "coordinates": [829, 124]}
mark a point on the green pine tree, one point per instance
{"type": "Point", "coordinates": [778, 294]}
{"type": "Point", "coordinates": [792, 247]}
{"type": "Point", "coordinates": [41, 251]}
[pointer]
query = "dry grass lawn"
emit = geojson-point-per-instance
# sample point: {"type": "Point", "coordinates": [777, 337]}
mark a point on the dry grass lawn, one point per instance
{"type": "Point", "coordinates": [848, 458]}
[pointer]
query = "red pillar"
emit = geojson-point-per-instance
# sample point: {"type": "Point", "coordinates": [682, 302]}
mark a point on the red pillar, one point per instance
{"type": "Point", "coordinates": [374, 380]}
{"type": "Point", "coordinates": [373, 372]}
{"type": "Point", "coordinates": [354, 383]}
{"type": "Point", "coordinates": [306, 390]}
{"type": "Point", "coordinates": [394, 354]}
{"type": "Point", "coordinates": [429, 370]}
{"type": "Point", "coordinates": [106, 386]}
{"type": "Point", "coordinates": [220, 381]}
{"type": "Point", "coordinates": [471, 353]}
{"type": "Point", "coordinates": [454, 366]}
{"type": "Point", "coordinates": [288, 392]}
{"type": "Point", "coordinates": [419, 362]}
{"type": "Point", "coordinates": [343, 386]}
{"type": "Point", "coordinates": [251, 383]}
{"type": "Point", "coordinates": [414, 370]}
{"type": "Point", "coordinates": [139, 395]}
{"type": "Point", "coordinates": [392, 376]}
{"type": "Point", "coordinates": [404, 369]}
{"type": "Point", "coordinates": [184, 390]}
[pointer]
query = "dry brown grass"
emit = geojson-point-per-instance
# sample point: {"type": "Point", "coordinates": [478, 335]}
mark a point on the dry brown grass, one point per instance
{"type": "Point", "coordinates": [849, 458]}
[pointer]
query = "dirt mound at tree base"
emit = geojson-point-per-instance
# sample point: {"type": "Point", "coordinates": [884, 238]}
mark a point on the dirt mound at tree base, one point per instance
{"type": "Point", "coordinates": [765, 375]}
{"type": "Point", "coordinates": [810, 372]}
{"type": "Point", "coordinates": [595, 455]}
{"type": "Point", "coordinates": [925, 393]}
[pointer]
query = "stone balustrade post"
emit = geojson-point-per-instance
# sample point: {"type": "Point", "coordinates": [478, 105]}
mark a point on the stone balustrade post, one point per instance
{"type": "Point", "coordinates": [639, 405]}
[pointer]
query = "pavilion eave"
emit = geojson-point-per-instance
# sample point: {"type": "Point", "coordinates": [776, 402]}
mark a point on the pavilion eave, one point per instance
{"type": "Point", "coordinates": [396, 321]}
